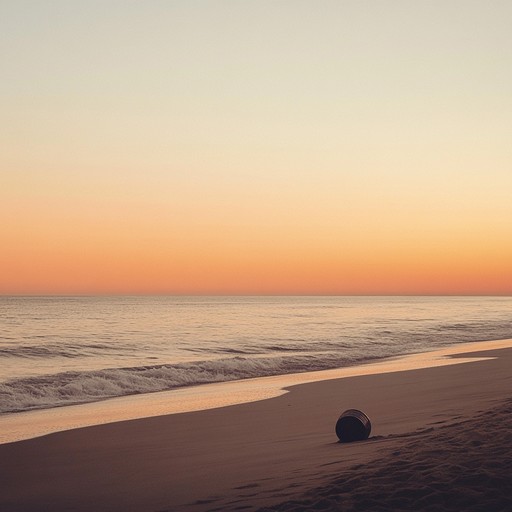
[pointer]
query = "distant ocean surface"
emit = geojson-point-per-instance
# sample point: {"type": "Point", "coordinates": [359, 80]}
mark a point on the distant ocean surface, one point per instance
{"type": "Point", "coordinates": [58, 351]}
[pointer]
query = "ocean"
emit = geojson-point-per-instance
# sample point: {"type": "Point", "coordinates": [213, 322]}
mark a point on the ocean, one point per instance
{"type": "Point", "coordinates": [57, 351]}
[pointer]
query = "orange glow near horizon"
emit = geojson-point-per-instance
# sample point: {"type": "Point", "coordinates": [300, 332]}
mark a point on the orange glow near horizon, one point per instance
{"type": "Point", "coordinates": [94, 258]}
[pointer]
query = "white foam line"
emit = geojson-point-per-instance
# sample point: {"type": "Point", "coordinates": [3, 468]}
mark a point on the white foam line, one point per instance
{"type": "Point", "coordinates": [30, 424]}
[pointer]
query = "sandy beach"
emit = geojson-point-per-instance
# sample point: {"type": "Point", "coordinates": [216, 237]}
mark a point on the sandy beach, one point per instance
{"type": "Point", "coordinates": [440, 441]}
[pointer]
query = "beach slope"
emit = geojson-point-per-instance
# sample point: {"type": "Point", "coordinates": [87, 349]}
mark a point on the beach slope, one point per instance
{"type": "Point", "coordinates": [257, 455]}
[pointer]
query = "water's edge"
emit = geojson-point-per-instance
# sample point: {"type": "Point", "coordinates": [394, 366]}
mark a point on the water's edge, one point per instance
{"type": "Point", "coordinates": [30, 424]}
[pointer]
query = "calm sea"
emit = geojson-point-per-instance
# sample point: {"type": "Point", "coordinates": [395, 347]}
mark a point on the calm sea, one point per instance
{"type": "Point", "coordinates": [56, 351]}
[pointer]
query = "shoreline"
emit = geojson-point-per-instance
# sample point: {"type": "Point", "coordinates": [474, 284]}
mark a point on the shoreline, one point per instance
{"type": "Point", "coordinates": [25, 425]}
{"type": "Point", "coordinates": [254, 454]}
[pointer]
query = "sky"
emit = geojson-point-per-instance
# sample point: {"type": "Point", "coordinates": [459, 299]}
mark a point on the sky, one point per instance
{"type": "Point", "coordinates": [255, 147]}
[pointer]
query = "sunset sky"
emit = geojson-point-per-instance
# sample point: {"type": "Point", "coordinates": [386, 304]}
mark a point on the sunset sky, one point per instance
{"type": "Point", "coordinates": [256, 147]}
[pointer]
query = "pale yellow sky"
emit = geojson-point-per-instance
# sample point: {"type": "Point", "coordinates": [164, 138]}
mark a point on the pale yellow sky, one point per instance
{"type": "Point", "coordinates": [256, 147]}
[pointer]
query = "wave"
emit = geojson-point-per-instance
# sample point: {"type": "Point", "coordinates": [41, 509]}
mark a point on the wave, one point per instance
{"type": "Point", "coordinates": [273, 357]}
{"type": "Point", "coordinates": [54, 349]}
{"type": "Point", "coordinates": [69, 388]}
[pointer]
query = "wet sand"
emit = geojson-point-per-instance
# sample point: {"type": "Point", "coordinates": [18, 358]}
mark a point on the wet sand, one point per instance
{"type": "Point", "coordinates": [440, 439]}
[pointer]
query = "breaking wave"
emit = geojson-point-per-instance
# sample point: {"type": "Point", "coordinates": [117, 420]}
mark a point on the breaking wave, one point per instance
{"type": "Point", "coordinates": [69, 388]}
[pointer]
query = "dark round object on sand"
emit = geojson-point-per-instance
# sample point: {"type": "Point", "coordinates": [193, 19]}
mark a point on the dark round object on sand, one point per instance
{"type": "Point", "coordinates": [353, 425]}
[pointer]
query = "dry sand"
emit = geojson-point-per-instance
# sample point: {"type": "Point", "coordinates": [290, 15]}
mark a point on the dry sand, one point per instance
{"type": "Point", "coordinates": [441, 440]}
{"type": "Point", "coordinates": [463, 466]}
